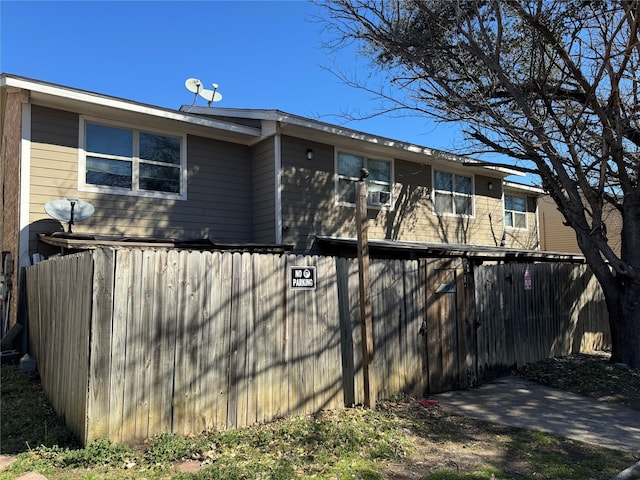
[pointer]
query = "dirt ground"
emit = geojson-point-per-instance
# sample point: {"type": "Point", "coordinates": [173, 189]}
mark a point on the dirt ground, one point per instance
{"type": "Point", "coordinates": [451, 443]}
{"type": "Point", "coordinates": [460, 444]}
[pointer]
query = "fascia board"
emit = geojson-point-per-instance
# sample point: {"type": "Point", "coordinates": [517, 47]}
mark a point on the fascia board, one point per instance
{"type": "Point", "coordinates": [523, 187]}
{"type": "Point", "coordinates": [287, 119]}
{"type": "Point", "coordinates": [42, 91]}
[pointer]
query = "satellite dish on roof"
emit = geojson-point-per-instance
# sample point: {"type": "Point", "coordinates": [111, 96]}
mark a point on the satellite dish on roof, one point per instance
{"type": "Point", "coordinates": [195, 86]}
{"type": "Point", "coordinates": [211, 95]}
{"type": "Point", "coordinates": [70, 210]}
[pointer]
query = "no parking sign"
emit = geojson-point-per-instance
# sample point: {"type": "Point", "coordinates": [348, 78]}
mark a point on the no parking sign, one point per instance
{"type": "Point", "coordinates": [302, 278]}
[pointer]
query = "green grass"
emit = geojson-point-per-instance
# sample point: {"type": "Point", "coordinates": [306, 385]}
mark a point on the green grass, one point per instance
{"type": "Point", "coordinates": [27, 418]}
{"type": "Point", "coordinates": [484, 474]}
{"type": "Point", "coordinates": [327, 445]}
{"type": "Point", "coordinates": [400, 436]}
{"type": "Point", "coordinates": [345, 444]}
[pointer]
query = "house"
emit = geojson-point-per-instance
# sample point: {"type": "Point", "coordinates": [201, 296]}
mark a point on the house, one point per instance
{"type": "Point", "coordinates": [231, 178]}
{"type": "Point", "coordinates": [557, 236]}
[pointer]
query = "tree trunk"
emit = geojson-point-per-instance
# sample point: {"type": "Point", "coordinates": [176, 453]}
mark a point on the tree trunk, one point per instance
{"type": "Point", "coordinates": [624, 321]}
{"type": "Point", "coordinates": [623, 301]}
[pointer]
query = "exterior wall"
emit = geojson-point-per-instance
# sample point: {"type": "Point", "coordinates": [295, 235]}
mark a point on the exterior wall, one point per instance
{"type": "Point", "coordinates": [218, 204]}
{"type": "Point", "coordinates": [308, 202]}
{"type": "Point", "coordinates": [555, 236]}
{"type": "Point", "coordinates": [309, 207]}
{"type": "Point", "coordinates": [413, 218]}
{"type": "Point", "coordinates": [263, 185]}
{"type": "Point", "coordinates": [10, 146]}
{"type": "Point", "coordinates": [489, 217]}
{"type": "Point", "coordinates": [54, 169]}
{"type": "Point", "coordinates": [232, 197]}
{"type": "Point", "coordinates": [521, 238]}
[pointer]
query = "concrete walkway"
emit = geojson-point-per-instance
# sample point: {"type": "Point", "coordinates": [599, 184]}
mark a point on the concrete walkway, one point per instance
{"type": "Point", "coordinates": [520, 403]}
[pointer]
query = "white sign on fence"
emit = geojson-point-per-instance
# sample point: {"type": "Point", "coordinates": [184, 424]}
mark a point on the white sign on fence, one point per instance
{"type": "Point", "coordinates": [528, 281]}
{"type": "Point", "coordinates": [302, 278]}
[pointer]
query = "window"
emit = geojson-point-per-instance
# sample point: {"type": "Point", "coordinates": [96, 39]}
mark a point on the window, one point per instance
{"type": "Point", "coordinates": [453, 194]}
{"type": "Point", "coordinates": [379, 182]}
{"type": "Point", "coordinates": [515, 211]}
{"type": "Point", "coordinates": [130, 161]}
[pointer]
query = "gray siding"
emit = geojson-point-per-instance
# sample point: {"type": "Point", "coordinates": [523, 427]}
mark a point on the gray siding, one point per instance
{"type": "Point", "coordinates": [309, 207]}
{"type": "Point", "coordinates": [308, 200]}
{"type": "Point", "coordinates": [54, 127]}
{"type": "Point", "coordinates": [54, 169]}
{"type": "Point", "coordinates": [219, 190]}
{"type": "Point", "coordinates": [264, 192]}
{"type": "Point", "coordinates": [218, 204]}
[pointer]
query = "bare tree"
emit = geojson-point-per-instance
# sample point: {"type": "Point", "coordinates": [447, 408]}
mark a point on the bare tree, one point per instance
{"type": "Point", "coordinates": [552, 84]}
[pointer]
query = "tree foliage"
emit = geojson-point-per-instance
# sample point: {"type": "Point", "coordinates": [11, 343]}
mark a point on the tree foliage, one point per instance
{"type": "Point", "coordinates": [552, 84]}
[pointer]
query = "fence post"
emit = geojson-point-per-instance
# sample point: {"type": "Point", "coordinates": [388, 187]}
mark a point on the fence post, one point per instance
{"type": "Point", "coordinates": [366, 322]}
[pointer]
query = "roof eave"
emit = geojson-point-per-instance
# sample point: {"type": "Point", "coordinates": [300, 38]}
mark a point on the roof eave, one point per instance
{"type": "Point", "coordinates": [287, 119]}
{"type": "Point", "coordinates": [58, 95]}
{"type": "Point", "coordinates": [528, 188]}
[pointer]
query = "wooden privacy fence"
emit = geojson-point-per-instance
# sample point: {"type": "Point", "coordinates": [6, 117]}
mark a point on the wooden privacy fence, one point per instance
{"type": "Point", "coordinates": [167, 340]}
{"type": "Point", "coordinates": [133, 342]}
{"type": "Point", "coordinates": [563, 312]}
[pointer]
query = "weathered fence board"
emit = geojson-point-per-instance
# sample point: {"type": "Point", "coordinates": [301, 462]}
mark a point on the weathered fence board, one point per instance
{"type": "Point", "coordinates": [60, 320]}
{"type": "Point", "coordinates": [132, 342]}
{"type": "Point", "coordinates": [100, 327]}
{"type": "Point", "coordinates": [562, 313]}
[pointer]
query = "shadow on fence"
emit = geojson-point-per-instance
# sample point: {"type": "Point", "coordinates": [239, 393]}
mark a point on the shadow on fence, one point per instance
{"type": "Point", "coordinates": [133, 342]}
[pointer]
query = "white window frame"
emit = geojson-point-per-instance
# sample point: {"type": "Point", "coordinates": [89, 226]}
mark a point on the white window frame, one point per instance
{"type": "Point", "coordinates": [134, 191]}
{"type": "Point", "coordinates": [453, 194]}
{"type": "Point", "coordinates": [387, 205]}
{"type": "Point", "coordinates": [518, 212]}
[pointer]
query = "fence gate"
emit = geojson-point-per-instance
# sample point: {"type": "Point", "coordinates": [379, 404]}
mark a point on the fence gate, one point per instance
{"type": "Point", "coordinates": [450, 324]}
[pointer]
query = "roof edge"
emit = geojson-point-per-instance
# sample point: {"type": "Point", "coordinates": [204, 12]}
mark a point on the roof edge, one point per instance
{"type": "Point", "coordinates": [86, 96]}
{"type": "Point", "coordinates": [522, 186]}
{"type": "Point", "coordinates": [297, 120]}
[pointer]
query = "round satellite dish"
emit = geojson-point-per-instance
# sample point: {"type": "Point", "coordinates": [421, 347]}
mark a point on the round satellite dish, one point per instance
{"type": "Point", "coordinates": [193, 85]}
{"type": "Point", "coordinates": [70, 210]}
{"type": "Point", "coordinates": [210, 95]}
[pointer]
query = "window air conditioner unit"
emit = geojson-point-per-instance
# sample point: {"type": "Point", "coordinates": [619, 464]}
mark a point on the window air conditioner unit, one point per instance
{"type": "Point", "coordinates": [378, 198]}
{"type": "Point", "coordinates": [373, 198]}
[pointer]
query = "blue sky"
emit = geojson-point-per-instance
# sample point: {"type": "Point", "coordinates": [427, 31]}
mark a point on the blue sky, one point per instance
{"type": "Point", "coordinates": [262, 54]}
